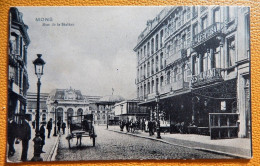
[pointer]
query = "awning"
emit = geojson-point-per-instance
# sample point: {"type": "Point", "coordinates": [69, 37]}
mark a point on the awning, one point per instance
{"type": "Point", "coordinates": [221, 90]}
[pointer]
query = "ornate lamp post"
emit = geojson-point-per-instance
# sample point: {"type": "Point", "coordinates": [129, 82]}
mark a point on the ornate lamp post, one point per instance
{"type": "Point", "coordinates": [121, 118]}
{"type": "Point", "coordinates": [38, 65]}
{"type": "Point", "coordinates": [157, 99]}
{"type": "Point", "coordinates": [55, 105]}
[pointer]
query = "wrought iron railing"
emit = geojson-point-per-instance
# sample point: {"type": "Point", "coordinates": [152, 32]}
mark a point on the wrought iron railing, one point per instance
{"type": "Point", "coordinates": [207, 33]}
{"type": "Point", "coordinates": [210, 75]}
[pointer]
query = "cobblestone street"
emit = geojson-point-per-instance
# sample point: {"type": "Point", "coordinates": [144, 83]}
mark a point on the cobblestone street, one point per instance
{"type": "Point", "coordinates": [115, 146]}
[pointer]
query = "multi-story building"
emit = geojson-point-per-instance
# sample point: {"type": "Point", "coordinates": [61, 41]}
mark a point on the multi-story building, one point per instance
{"type": "Point", "coordinates": [17, 67]}
{"type": "Point", "coordinates": [197, 59]}
{"type": "Point", "coordinates": [32, 106]}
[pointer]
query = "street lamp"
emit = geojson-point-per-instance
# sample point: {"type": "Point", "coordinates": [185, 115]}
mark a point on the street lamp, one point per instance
{"type": "Point", "coordinates": [38, 65]}
{"type": "Point", "coordinates": [157, 100]}
{"type": "Point", "coordinates": [121, 116]}
{"type": "Point", "coordinates": [55, 105]}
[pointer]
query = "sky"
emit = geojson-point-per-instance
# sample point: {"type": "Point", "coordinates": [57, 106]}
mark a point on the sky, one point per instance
{"type": "Point", "coordinates": [94, 55]}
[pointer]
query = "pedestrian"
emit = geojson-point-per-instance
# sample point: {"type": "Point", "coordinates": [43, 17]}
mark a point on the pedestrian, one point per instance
{"type": "Point", "coordinates": [11, 136]}
{"type": "Point", "coordinates": [150, 127]}
{"type": "Point", "coordinates": [49, 127]}
{"type": "Point", "coordinates": [63, 127]}
{"type": "Point", "coordinates": [25, 136]}
{"type": "Point", "coordinates": [127, 125]}
{"type": "Point", "coordinates": [42, 135]}
{"type": "Point", "coordinates": [59, 125]}
{"type": "Point", "coordinates": [33, 124]}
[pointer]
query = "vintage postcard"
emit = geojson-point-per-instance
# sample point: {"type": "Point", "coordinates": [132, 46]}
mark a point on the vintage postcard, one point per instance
{"type": "Point", "coordinates": [122, 83]}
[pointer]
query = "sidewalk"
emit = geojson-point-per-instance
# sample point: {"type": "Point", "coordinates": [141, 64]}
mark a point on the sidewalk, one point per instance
{"type": "Point", "coordinates": [236, 147]}
{"type": "Point", "coordinates": [49, 147]}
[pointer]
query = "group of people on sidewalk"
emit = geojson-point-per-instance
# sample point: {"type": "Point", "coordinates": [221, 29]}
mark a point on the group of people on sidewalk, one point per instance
{"type": "Point", "coordinates": [21, 132]}
{"type": "Point", "coordinates": [141, 124]}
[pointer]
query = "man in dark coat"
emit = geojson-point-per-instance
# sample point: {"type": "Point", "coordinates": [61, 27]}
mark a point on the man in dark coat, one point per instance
{"type": "Point", "coordinates": [59, 125]}
{"type": "Point", "coordinates": [42, 135]}
{"type": "Point", "coordinates": [49, 127]}
{"type": "Point", "coordinates": [25, 137]}
{"type": "Point", "coordinates": [63, 126]}
{"type": "Point", "coordinates": [150, 128]}
{"type": "Point", "coordinates": [11, 136]}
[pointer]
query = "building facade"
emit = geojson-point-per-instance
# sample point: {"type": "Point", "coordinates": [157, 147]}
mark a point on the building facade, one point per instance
{"type": "Point", "coordinates": [197, 60]}
{"type": "Point", "coordinates": [129, 110]}
{"type": "Point", "coordinates": [17, 66]}
{"type": "Point", "coordinates": [32, 106]}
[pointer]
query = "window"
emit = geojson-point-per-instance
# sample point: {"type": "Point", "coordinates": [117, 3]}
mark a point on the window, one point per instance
{"type": "Point", "coordinates": [195, 29]}
{"type": "Point", "coordinates": [156, 42]}
{"type": "Point", "coordinates": [168, 50]}
{"type": "Point", "coordinates": [204, 22]}
{"type": "Point", "coordinates": [185, 74]}
{"type": "Point", "coordinates": [144, 71]}
{"type": "Point", "coordinates": [175, 75]}
{"type": "Point", "coordinates": [223, 106]}
{"type": "Point", "coordinates": [141, 73]}
{"type": "Point", "coordinates": [152, 45]}
{"type": "Point", "coordinates": [216, 58]}
{"type": "Point", "coordinates": [168, 77]}
{"type": "Point", "coordinates": [161, 81]}
{"type": "Point", "coordinates": [175, 47]}
{"type": "Point", "coordinates": [231, 51]}
{"type": "Point", "coordinates": [144, 51]}
{"type": "Point", "coordinates": [14, 44]}
{"type": "Point", "coordinates": [161, 38]}
{"type": "Point", "coordinates": [152, 86]}
{"type": "Point", "coordinates": [141, 54]}
{"type": "Point", "coordinates": [194, 11]}
{"type": "Point", "coordinates": [184, 17]}
{"type": "Point", "coordinates": [157, 63]}
{"type": "Point", "coordinates": [144, 89]}
{"type": "Point", "coordinates": [183, 42]}
{"type": "Point", "coordinates": [216, 15]}
{"type": "Point", "coordinates": [148, 48]}
{"type": "Point", "coordinates": [148, 88]}
{"type": "Point", "coordinates": [205, 61]}
{"type": "Point", "coordinates": [148, 69]}
{"type": "Point", "coordinates": [230, 13]}
{"type": "Point", "coordinates": [195, 65]}
{"type": "Point", "coordinates": [152, 66]}
{"type": "Point", "coordinates": [161, 60]}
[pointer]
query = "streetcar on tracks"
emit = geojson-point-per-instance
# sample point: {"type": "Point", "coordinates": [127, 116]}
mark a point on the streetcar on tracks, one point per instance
{"type": "Point", "coordinates": [81, 126]}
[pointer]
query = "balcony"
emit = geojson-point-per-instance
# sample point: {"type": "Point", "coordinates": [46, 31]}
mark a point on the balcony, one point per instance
{"type": "Point", "coordinates": [182, 53]}
{"type": "Point", "coordinates": [209, 76]}
{"type": "Point", "coordinates": [208, 33]}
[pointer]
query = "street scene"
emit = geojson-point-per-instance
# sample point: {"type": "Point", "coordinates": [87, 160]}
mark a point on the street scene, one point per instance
{"type": "Point", "coordinates": [84, 84]}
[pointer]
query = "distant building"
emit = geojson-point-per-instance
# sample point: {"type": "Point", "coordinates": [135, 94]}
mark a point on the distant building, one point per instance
{"type": "Point", "coordinates": [32, 106]}
{"type": "Point", "coordinates": [197, 59]}
{"type": "Point", "coordinates": [17, 66]}
{"type": "Point", "coordinates": [129, 110]}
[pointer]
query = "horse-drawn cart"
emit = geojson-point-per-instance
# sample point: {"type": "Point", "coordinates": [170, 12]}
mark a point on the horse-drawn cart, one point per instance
{"type": "Point", "coordinates": [81, 126]}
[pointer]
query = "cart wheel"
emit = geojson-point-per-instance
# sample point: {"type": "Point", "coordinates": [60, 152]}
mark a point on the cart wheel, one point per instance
{"type": "Point", "coordinates": [69, 143]}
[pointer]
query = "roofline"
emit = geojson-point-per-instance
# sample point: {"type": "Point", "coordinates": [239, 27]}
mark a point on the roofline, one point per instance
{"type": "Point", "coordinates": [157, 25]}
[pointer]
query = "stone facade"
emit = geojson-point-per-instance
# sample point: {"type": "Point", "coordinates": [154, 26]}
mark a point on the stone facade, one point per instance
{"type": "Point", "coordinates": [197, 59]}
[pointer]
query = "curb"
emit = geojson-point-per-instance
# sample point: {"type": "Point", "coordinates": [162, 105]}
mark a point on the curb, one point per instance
{"type": "Point", "coordinates": [196, 148]}
{"type": "Point", "coordinates": [54, 149]}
